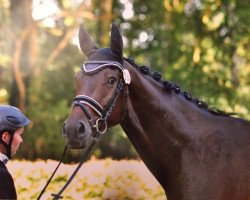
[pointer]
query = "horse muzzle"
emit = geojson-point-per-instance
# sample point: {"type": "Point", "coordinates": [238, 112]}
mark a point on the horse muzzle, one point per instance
{"type": "Point", "coordinates": [76, 134]}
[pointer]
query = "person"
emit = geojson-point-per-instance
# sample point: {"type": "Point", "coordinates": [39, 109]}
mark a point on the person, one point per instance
{"type": "Point", "coordinates": [12, 123]}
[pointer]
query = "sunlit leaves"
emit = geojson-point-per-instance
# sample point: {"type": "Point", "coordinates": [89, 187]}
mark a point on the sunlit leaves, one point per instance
{"type": "Point", "coordinates": [56, 32]}
{"type": "Point", "coordinates": [97, 179]}
{"type": "Point", "coordinates": [4, 12]}
{"type": "Point", "coordinates": [69, 21]}
{"type": "Point", "coordinates": [213, 22]}
{"type": "Point", "coordinates": [196, 55]}
{"type": "Point", "coordinates": [5, 60]}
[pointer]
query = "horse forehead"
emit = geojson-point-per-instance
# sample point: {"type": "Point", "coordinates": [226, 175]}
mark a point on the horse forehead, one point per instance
{"type": "Point", "coordinates": [105, 54]}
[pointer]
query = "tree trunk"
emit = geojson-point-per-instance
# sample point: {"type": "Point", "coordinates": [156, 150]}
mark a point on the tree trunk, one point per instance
{"type": "Point", "coordinates": [24, 50]}
{"type": "Point", "coordinates": [103, 8]}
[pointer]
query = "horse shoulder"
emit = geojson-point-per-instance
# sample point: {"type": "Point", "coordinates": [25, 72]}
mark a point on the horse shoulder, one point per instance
{"type": "Point", "coordinates": [218, 160]}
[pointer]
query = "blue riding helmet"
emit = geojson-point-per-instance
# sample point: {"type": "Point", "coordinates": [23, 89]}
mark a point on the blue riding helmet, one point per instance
{"type": "Point", "coordinates": [11, 118]}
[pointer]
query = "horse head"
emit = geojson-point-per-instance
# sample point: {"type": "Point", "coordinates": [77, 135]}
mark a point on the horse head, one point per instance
{"type": "Point", "coordinates": [101, 92]}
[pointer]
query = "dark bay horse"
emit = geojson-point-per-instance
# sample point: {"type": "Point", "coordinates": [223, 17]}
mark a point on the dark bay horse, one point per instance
{"type": "Point", "coordinates": [196, 153]}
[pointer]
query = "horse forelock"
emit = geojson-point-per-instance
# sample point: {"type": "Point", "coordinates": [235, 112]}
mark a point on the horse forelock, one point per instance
{"type": "Point", "coordinates": [105, 54]}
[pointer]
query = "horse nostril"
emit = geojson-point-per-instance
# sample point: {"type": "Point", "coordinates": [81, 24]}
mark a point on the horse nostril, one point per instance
{"type": "Point", "coordinates": [64, 128]}
{"type": "Point", "coordinates": [81, 128]}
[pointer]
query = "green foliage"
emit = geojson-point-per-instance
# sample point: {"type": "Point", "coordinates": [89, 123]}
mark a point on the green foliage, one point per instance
{"type": "Point", "coordinates": [200, 45]}
{"type": "Point", "coordinates": [49, 107]}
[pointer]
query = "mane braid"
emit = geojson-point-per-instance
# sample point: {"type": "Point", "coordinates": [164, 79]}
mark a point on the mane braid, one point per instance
{"type": "Point", "coordinates": [169, 86]}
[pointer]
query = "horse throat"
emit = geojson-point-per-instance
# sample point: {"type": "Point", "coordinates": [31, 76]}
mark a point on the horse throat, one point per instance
{"type": "Point", "coordinates": [153, 125]}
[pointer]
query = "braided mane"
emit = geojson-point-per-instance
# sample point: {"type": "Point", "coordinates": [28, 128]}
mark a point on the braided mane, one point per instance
{"type": "Point", "coordinates": [169, 86]}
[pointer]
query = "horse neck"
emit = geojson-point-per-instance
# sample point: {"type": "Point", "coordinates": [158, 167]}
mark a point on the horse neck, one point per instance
{"type": "Point", "coordinates": [158, 123]}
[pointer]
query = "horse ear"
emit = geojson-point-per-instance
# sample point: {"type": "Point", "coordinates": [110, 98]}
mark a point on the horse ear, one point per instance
{"type": "Point", "coordinates": [116, 41]}
{"type": "Point", "coordinates": [87, 44]}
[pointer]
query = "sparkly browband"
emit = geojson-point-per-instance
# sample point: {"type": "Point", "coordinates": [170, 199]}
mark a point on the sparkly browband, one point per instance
{"type": "Point", "coordinates": [91, 66]}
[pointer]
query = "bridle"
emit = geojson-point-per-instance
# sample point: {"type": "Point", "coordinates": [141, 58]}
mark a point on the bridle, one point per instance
{"type": "Point", "coordinates": [100, 125]}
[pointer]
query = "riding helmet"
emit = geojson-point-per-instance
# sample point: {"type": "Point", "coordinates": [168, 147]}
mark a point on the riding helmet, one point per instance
{"type": "Point", "coordinates": [11, 118]}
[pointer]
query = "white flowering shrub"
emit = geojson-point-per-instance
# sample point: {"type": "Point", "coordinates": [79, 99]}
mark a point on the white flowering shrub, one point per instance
{"type": "Point", "coordinates": [97, 179]}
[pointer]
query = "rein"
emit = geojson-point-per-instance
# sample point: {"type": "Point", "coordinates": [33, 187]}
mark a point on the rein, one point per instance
{"type": "Point", "coordinates": [100, 127]}
{"type": "Point", "coordinates": [87, 152]}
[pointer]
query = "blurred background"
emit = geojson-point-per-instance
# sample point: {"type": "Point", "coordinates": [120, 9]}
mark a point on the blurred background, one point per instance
{"type": "Point", "coordinates": [201, 45]}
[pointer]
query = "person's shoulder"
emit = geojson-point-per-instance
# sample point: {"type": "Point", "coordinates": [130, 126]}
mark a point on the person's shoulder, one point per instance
{"type": "Point", "coordinates": [7, 187]}
{"type": "Point", "coordinates": [5, 176]}
{"type": "Point", "coordinates": [2, 165]}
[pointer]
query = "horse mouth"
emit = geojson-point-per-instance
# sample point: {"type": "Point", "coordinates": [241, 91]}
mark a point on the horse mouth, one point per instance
{"type": "Point", "coordinates": [76, 152]}
{"type": "Point", "coordinates": [76, 147]}
{"type": "Point", "coordinates": [75, 144]}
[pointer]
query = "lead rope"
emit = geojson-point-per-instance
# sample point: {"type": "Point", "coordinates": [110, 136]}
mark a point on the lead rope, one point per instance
{"type": "Point", "coordinates": [43, 190]}
{"type": "Point", "coordinates": [86, 153]}
{"type": "Point", "coordinates": [88, 150]}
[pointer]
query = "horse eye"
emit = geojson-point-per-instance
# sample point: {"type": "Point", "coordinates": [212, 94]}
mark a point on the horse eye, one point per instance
{"type": "Point", "coordinates": [112, 80]}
